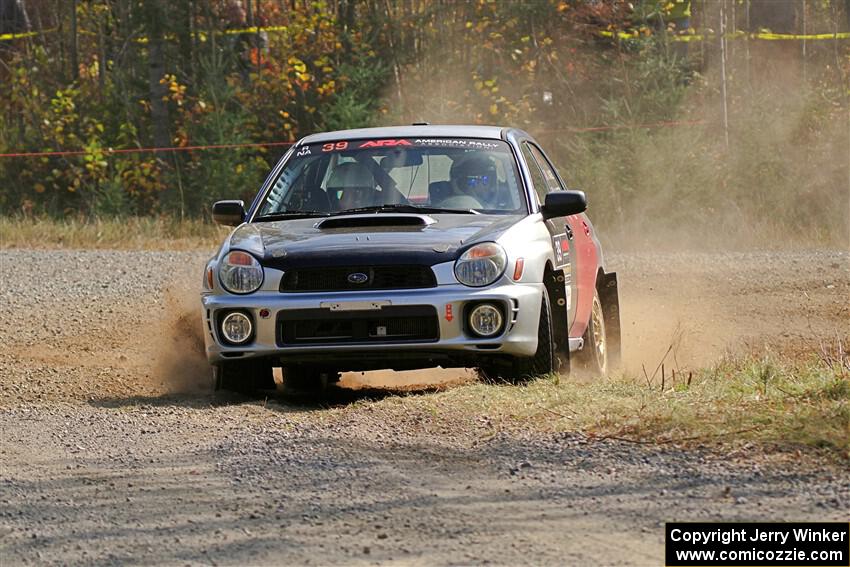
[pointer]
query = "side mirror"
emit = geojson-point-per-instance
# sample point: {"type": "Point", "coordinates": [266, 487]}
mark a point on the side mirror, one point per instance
{"type": "Point", "coordinates": [229, 213]}
{"type": "Point", "coordinates": [563, 204]}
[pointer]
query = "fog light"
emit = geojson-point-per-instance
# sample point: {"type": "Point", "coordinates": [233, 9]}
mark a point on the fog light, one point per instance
{"type": "Point", "coordinates": [236, 328]}
{"type": "Point", "coordinates": [485, 320]}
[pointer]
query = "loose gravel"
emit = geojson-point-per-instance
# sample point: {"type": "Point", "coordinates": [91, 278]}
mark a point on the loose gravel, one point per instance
{"type": "Point", "coordinates": [101, 462]}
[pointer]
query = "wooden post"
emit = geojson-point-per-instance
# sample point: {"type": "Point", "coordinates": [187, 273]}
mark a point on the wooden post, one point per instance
{"type": "Point", "coordinates": [154, 20]}
{"type": "Point", "coordinates": [747, 46]}
{"type": "Point", "coordinates": [75, 64]}
{"type": "Point", "coordinates": [723, 73]}
{"type": "Point", "coordinates": [193, 39]}
{"type": "Point", "coordinates": [258, 38]}
{"type": "Point", "coordinates": [250, 22]}
{"type": "Point", "coordinates": [704, 25]}
{"type": "Point", "coordinates": [805, 77]}
{"type": "Point", "coordinates": [101, 68]}
{"type": "Point", "coordinates": [61, 35]}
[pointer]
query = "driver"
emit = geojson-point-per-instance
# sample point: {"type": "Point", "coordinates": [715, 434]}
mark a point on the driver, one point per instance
{"type": "Point", "coordinates": [353, 186]}
{"type": "Point", "coordinates": [474, 182]}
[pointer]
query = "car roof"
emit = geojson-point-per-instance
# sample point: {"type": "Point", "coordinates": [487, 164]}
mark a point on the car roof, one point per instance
{"type": "Point", "coordinates": [436, 131]}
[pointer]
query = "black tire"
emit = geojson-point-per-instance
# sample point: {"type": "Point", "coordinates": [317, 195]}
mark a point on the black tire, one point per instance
{"type": "Point", "coordinates": [244, 376]}
{"type": "Point", "coordinates": [594, 355]}
{"type": "Point", "coordinates": [544, 360]}
{"type": "Point", "coordinates": [611, 308]}
{"type": "Point", "coordinates": [307, 379]}
{"type": "Point", "coordinates": [488, 374]}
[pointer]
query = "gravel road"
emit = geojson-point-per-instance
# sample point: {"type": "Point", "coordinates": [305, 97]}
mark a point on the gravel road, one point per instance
{"type": "Point", "coordinates": [113, 451]}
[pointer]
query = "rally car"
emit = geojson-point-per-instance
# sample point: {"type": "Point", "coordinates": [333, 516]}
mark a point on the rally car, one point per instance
{"type": "Point", "coordinates": [405, 248]}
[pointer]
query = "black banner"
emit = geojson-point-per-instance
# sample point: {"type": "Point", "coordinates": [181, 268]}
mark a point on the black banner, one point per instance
{"type": "Point", "coordinates": [760, 544]}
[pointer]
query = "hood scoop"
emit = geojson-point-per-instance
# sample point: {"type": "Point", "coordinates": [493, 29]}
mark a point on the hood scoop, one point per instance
{"type": "Point", "coordinates": [373, 220]}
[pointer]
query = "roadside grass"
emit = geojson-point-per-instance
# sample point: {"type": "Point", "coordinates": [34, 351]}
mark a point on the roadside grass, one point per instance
{"type": "Point", "coordinates": [755, 403]}
{"type": "Point", "coordinates": [136, 233]}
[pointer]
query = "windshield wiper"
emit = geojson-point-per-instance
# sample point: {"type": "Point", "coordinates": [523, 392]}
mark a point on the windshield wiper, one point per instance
{"type": "Point", "coordinates": [291, 215]}
{"type": "Point", "coordinates": [406, 208]}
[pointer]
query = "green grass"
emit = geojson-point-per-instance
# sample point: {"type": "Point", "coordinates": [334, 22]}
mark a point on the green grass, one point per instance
{"type": "Point", "coordinates": [762, 403]}
{"type": "Point", "coordinates": [138, 233]}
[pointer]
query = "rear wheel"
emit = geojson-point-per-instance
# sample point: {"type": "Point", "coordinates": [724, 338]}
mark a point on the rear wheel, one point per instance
{"type": "Point", "coordinates": [243, 376]}
{"type": "Point", "coordinates": [593, 356]}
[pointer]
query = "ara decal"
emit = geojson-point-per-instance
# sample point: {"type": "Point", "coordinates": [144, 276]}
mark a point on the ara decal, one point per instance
{"type": "Point", "coordinates": [384, 143]}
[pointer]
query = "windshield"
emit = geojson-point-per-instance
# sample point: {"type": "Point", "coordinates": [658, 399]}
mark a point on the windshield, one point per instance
{"type": "Point", "coordinates": [455, 174]}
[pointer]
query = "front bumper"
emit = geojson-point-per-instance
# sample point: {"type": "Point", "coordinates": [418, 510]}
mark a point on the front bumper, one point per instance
{"type": "Point", "coordinates": [455, 345]}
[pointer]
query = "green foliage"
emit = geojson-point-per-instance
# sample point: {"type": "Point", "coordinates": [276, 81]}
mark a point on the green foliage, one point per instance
{"type": "Point", "coordinates": [357, 104]}
{"type": "Point", "coordinates": [232, 172]}
{"type": "Point", "coordinates": [194, 72]}
{"type": "Point", "coordinates": [111, 201]}
{"type": "Point", "coordinates": [142, 72]}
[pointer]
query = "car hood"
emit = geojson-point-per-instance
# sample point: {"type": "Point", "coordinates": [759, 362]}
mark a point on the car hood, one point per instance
{"type": "Point", "coordinates": [304, 243]}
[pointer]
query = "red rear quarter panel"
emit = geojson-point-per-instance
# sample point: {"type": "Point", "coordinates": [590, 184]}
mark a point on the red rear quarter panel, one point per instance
{"type": "Point", "coordinates": [586, 256]}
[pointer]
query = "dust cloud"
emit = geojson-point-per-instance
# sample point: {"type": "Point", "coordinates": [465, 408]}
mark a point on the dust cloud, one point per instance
{"type": "Point", "coordinates": [658, 196]}
{"type": "Point", "coordinates": [175, 344]}
{"type": "Point", "coordinates": [683, 166]}
{"type": "Point", "coordinates": [773, 174]}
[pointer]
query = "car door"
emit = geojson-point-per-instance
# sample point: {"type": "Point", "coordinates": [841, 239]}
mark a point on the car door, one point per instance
{"type": "Point", "coordinates": [558, 227]}
{"type": "Point", "coordinates": [580, 247]}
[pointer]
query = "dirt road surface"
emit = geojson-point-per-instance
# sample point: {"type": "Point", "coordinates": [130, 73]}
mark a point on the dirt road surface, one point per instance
{"type": "Point", "coordinates": [113, 451]}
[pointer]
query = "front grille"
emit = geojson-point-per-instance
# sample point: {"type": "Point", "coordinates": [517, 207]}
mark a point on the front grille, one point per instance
{"type": "Point", "coordinates": [388, 325]}
{"type": "Point", "coordinates": [377, 277]}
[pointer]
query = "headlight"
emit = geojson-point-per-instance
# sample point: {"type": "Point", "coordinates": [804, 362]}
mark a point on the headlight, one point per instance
{"type": "Point", "coordinates": [240, 272]}
{"type": "Point", "coordinates": [481, 265]}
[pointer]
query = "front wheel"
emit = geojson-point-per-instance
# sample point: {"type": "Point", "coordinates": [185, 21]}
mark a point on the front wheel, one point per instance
{"type": "Point", "coordinates": [243, 376]}
{"type": "Point", "coordinates": [544, 360]}
{"type": "Point", "coordinates": [307, 379]}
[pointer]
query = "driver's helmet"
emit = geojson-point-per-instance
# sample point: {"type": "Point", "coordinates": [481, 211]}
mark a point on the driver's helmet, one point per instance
{"type": "Point", "coordinates": [353, 185]}
{"type": "Point", "coordinates": [475, 175]}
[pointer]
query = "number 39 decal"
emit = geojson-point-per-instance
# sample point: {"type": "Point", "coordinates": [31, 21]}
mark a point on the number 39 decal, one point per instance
{"type": "Point", "coordinates": [334, 146]}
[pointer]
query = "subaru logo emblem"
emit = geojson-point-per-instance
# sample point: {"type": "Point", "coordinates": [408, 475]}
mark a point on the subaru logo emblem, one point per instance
{"type": "Point", "coordinates": [358, 278]}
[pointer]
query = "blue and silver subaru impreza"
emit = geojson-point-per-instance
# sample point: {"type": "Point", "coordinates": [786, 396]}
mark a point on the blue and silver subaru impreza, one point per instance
{"type": "Point", "coordinates": [405, 248]}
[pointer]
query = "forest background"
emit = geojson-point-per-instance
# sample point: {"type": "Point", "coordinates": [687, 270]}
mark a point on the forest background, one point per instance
{"type": "Point", "coordinates": [702, 121]}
